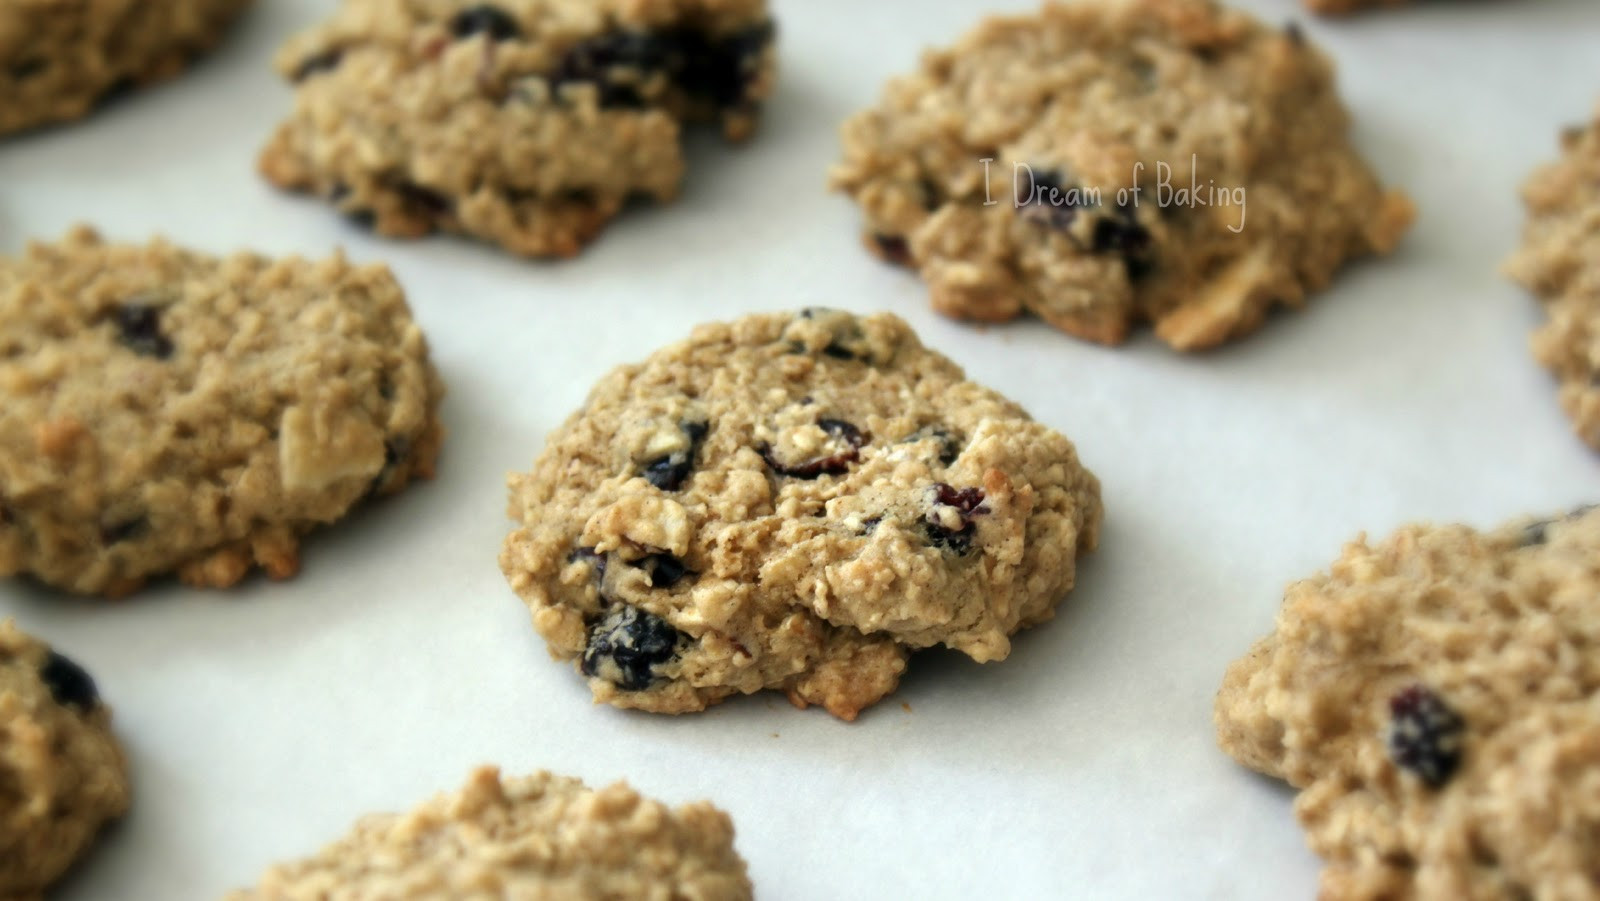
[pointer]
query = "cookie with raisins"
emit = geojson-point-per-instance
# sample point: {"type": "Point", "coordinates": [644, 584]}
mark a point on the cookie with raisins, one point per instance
{"type": "Point", "coordinates": [1100, 165]}
{"type": "Point", "coordinates": [792, 502]}
{"type": "Point", "coordinates": [526, 123]}
{"type": "Point", "coordinates": [58, 61]}
{"type": "Point", "coordinates": [167, 411]}
{"type": "Point", "coordinates": [1435, 699]}
{"type": "Point", "coordinates": [63, 773]}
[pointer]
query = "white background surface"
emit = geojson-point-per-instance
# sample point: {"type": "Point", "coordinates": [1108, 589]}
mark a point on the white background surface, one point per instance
{"type": "Point", "coordinates": [262, 721]}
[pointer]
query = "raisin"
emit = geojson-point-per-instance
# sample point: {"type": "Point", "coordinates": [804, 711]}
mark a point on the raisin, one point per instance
{"type": "Point", "coordinates": [592, 557]}
{"type": "Point", "coordinates": [968, 503]}
{"type": "Point", "coordinates": [893, 248]}
{"type": "Point", "coordinates": [664, 570]}
{"type": "Point", "coordinates": [1425, 735]}
{"type": "Point", "coordinates": [834, 464]}
{"type": "Point", "coordinates": [949, 445]}
{"type": "Point", "coordinates": [139, 330]}
{"type": "Point", "coordinates": [326, 61]}
{"type": "Point", "coordinates": [1050, 202]}
{"type": "Point", "coordinates": [719, 70]}
{"type": "Point", "coordinates": [69, 683]}
{"type": "Point", "coordinates": [627, 646]}
{"type": "Point", "coordinates": [122, 530]}
{"type": "Point", "coordinates": [593, 60]}
{"type": "Point", "coordinates": [425, 200]}
{"type": "Point", "coordinates": [487, 20]}
{"type": "Point", "coordinates": [28, 68]}
{"type": "Point", "coordinates": [670, 472]}
{"type": "Point", "coordinates": [1122, 234]}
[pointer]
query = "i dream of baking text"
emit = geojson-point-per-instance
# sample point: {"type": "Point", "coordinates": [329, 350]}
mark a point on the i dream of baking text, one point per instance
{"type": "Point", "coordinates": [1029, 190]}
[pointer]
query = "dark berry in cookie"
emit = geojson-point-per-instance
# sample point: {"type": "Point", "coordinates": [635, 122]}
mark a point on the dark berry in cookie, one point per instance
{"type": "Point", "coordinates": [326, 61]}
{"type": "Point", "coordinates": [670, 472]}
{"type": "Point", "coordinates": [665, 570]}
{"type": "Point", "coordinates": [848, 439]}
{"type": "Point", "coordinates": [949, 524]}
{"type": "Point", "coordinates": [69, 683]}
{"type": "Point", "coordinates": [1425, 735]}
{"type": "Point", "coordinates": [487, 20]}
{"type": "Point", "coordinates": [626, 646]}
{"type": "Point", "coordinates": [139, 329]}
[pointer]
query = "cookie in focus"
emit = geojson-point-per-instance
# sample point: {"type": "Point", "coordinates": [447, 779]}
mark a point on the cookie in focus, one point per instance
{"type": "Point", "coordinates": [792, 502]}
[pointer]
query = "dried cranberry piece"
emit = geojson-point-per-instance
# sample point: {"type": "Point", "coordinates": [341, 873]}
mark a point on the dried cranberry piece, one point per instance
{"type": "Point", "coordinates": [670, 472]}
{"type": "Point", "coordinates": [835, 464]}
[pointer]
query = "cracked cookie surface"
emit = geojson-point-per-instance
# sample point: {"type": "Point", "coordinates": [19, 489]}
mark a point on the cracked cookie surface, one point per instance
{"type": "Point", "coordinates": [163, 410]}
{"type": "Point", "coordinates": [792, 502]}
{"type": "Point", "coordinates": [1436, 699]}
{"type": "Point", "coordinates": [62, 774]}
{"type": "Point", "coordinates": [58, 60]}
{"type": "Point", "coordinates": [1560, 263]}
{"type": "Point", "coordinates": [541, 836]}
{"type": "Point", "coordinates": [527, 123]}
{"type": "Point", "coordinates": [1077, 106]}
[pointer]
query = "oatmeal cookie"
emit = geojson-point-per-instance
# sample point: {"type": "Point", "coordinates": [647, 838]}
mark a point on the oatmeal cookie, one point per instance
{"type": "Point", "coordinates": [62, 773]}
{"type": "Point", "coordinates": [528, 123]}
{"type": "Point", "coordinates": [163, 410]}
{"type": "Point", "coordinates": [1560, 263]}
{"type": "Point", "coordinates": [792, 502]}
{"type": "Point", "coordinates": [543, 836]}
{"type": "Point", "coordinates": [59, 58]}
{"type": "Point", "coordinates": [1036, 167]}
{"type": "Point", "coordinates": [1436, 699]}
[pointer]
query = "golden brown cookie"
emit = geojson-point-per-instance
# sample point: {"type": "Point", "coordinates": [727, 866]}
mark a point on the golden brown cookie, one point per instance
{"type": "Point", "coordinates": [62, 773]}
{"type": "Point", "coordinates": [539, 837]}
{"type": "Point", "coordinates": [528, 123]}
{"type": "Point", "coordinates": [58, 58]}
{"type": "Point", "coordinates": [1560, 263]}
{"type": "Point", "coordinates": [1099, 164]}
{"type": "Point", "coordinates": [1436, 699]}
{"type": "Point", "coordinates": [792, 502]}
{"type": "Point", "coordinates": [167, 411]}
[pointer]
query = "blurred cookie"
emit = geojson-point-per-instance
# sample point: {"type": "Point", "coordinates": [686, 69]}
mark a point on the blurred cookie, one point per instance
{"type": "Point", "coordinates": [62, 773]}
{"type": "Point", "coordinates": [1103, 164]}
{"type": "Point", "coordinates": [543, 836]}
{"type": "Point", "coordinates": [792, 502]}
{"type": "Point", "coordinates": [59, 59]}
{"type": "Point", "coordinates": [1560, 263]}
{"type": "Point", "coordinates": [527, 123]}
{"type": "Point", "coordinates": [1436, 699]}
{"type": "Point", "coordinates": [163, 410]}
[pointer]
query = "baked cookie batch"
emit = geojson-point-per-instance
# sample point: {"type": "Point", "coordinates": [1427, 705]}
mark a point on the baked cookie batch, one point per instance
{"type": "Point", "coordinates": [793, 501]}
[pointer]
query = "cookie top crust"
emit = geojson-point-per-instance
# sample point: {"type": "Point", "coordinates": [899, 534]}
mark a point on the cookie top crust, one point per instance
{"type": "Point", "coordinates": [1074, 108]}
{"type": "Point", "coordinates": [541, 836]}
{"type": "Point", "coordinates": [528, 123]}
{"type": "Point", "coordinates": [58, 60]}
{"type": "Point", "coordinates": [792, 501]}
{"type": "Point", "coordinates": [62, 773]}
{"type": "Point", "coordinates": [1436, 699]}
{"type": "Point", "coordinates": [163, 410]}
{"type": "Point", "coordinates": [1560, 263]}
